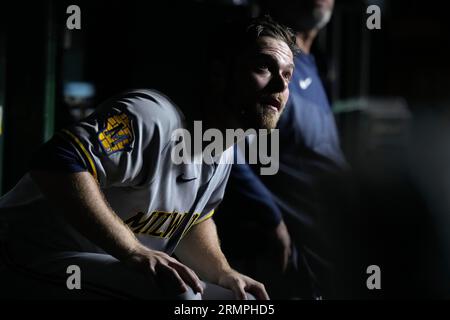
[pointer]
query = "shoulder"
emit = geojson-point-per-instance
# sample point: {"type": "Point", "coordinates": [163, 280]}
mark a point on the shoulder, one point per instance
{"type": "Point", "coordinates": [148, 109]}
{"type": "Point", "coordinates": [150, 105]}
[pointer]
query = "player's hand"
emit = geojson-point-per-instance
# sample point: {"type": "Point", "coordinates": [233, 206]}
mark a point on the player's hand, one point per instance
{"type": "Point", "coordinates": [172, 276]}
{"type": "Point", "coordinates": [282, 245]}
{"type": "Point", "coordinates": [240, 284]}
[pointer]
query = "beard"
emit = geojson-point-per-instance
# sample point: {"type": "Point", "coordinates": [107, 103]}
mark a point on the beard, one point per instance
{"type": "Point", "coordinates": [260, 118]}
{"type": "Point", "coordinates": [321, 18]}
{"type": "Point", "coordinates": [317, 19]}
{"type": "Point", "coordinates": [268, 118]}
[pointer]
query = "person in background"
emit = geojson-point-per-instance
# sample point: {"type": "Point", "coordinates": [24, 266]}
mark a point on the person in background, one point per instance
{"type": "Point", "coordinates": [282, 212]}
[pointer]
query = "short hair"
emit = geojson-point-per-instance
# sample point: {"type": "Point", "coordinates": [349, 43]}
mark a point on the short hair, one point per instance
{"type": "Point", "coordinates": [234, 36]}
{"type": "Point", "coordinates": [265, 26]}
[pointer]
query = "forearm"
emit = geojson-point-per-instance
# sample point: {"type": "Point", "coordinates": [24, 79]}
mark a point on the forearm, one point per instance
{"type": "Point", "coordinates": [79, 199]}
{"type": "Point", "coordinates": [200, 250]}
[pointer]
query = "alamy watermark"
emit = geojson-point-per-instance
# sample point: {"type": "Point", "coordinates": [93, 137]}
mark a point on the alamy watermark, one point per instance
{"type": "Point", "coordinates": [374, 20]}
{"type": "Point", "coordinates": [373, 282]}
{"type": "Point", "coordinates": [74, 279]}
{"type": "Point", "coordinates": [74, 20]}
{"type": "Point", "coordinates": [211, 146]}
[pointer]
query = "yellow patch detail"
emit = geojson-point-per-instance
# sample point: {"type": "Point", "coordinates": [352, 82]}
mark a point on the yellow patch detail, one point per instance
{"type": "Point", "coordinates": [117, 135]}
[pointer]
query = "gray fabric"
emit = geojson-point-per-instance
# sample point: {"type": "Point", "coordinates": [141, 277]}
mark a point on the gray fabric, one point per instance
{"type": "Point", "coordinates": [102, 277]}
{"type": "Point", "coordinates": [139, 179]}
{"type": "Point", "coordinates": [128, 142]}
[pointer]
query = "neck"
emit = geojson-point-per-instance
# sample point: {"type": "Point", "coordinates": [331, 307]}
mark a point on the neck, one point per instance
{"type": "Point", "coordinates": [220, 119]}
{"type": "Point", "coordinates": [305, 39]}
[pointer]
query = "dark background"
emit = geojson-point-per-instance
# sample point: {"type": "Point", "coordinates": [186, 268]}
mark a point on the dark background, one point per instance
{"type": "Point", "coordinates": [399, 73]}
{"type": "Point", "coordinates": [125, 44]}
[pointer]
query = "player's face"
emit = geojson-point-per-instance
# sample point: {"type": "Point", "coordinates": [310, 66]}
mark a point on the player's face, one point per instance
{"type": "Point", "coordinates": [261, 86]}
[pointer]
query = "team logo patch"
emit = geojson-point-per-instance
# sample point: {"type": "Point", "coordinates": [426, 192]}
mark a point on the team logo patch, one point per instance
{"type": "Point", "coordinates": [117, 134]}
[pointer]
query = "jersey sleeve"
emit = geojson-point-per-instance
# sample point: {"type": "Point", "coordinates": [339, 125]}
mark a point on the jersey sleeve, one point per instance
{"type": "Point", "coordinates": [122, 141]}
{"type": "Point", "coordinates": [58, 155]}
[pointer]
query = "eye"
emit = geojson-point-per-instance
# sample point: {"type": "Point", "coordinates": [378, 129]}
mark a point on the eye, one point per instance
{"type": "Point", "coordinates": [287, 76]}
{"type": "Point", "coordinates": [262, 67]}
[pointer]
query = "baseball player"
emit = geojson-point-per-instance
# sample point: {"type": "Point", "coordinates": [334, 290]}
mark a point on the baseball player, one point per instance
{"type": "Point", "coordinates": [106, 196]}
{"type": "Point", "coordinates": [292, 218]}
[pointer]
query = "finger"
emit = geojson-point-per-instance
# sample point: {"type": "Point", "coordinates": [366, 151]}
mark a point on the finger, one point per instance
{"type": "Point", "coordinates": [189, 276]}
{"type": "Point", "coordinates": [170, 280]}
{"type": "Point", "coordinates": [258, 290]}
{"type": "Point", "coordinates": [239, 291]}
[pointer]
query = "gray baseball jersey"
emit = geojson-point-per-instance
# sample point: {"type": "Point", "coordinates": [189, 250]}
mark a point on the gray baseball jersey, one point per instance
{"type": "Point", "coordinates": [126, 145]}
